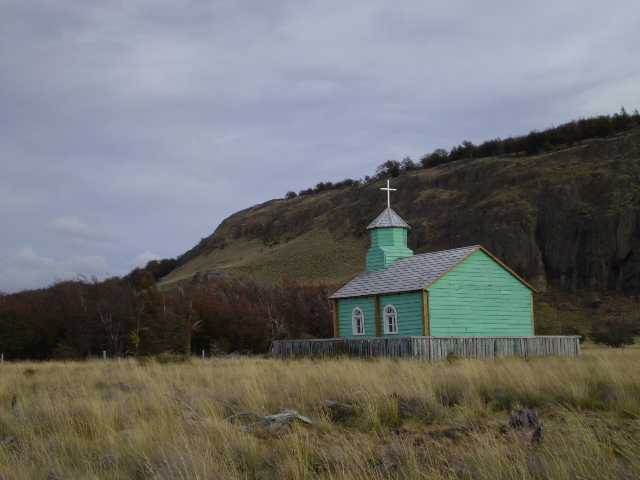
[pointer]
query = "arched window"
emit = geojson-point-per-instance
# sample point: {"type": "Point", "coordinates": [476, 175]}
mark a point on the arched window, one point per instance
{"type": "Point", "coordinates": [357, 320]}
{"type": "Point", "coordinates": [390, 319]}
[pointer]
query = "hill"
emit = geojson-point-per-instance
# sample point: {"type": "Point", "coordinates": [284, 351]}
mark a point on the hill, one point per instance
{"type": "Point", "coordinates": [568, 219]}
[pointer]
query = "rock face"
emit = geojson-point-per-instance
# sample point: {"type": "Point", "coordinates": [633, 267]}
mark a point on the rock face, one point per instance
{"type": "Point", "coordinates": [570, 218]}
{"type": "Point", "coordinates": [588, 226]}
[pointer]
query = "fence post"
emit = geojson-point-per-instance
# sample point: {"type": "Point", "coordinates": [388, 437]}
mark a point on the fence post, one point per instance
{"type": "Point", "coordinates": [104, 355]}
{"type": "Point", "coordinates": [203, 358]}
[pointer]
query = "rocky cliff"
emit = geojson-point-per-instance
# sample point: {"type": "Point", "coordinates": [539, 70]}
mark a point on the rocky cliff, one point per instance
{"type": "Point", "coordinates": [569, 219]}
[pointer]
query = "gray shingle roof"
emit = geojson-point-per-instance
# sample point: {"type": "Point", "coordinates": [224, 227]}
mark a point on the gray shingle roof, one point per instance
{"type": "Point", "coordinates": [388, 218]}
{"type": "Point", "coordinates": [405, 274]}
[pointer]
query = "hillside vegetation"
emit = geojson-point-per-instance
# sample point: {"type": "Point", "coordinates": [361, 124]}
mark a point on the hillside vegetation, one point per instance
{"type": "Point", "coordinates": [409, 419]}
{"type": "Point", "coordinates": [568, 219]}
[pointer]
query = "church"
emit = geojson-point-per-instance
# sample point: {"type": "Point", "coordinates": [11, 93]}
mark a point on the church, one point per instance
{"type": "Point", "coordinates": [455, 293]}
{"type": "Point", "coordinates": [463, 302]}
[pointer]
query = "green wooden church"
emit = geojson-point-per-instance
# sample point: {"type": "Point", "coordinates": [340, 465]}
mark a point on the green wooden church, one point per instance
{"type": "Point", "coordinates": [460, 292]}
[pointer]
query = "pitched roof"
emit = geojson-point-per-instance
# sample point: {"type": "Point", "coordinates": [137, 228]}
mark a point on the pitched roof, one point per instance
{"type": "Point", "coordinates": [388, 218]}
{"type": "Point", "coordinates": [406, 274]}
{"type": "Point", "coordinates": [410, 274]}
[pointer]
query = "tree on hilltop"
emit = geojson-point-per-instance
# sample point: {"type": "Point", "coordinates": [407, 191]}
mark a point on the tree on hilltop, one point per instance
{"type": "Point", "coordinates": [390, 167]}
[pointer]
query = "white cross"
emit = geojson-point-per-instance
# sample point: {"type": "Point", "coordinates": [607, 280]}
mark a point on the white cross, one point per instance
{"type": "Point", "coordinates": [389, 190]}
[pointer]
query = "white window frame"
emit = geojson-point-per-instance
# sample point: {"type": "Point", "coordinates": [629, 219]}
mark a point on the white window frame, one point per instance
{"type": "Point", "coordinates": [355, 315]}
{"type": "Point", "coordinates": [390, 320]}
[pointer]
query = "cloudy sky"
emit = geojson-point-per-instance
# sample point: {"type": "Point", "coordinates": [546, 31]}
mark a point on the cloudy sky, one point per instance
{"type": "Point", "coordinates": [131, 129]}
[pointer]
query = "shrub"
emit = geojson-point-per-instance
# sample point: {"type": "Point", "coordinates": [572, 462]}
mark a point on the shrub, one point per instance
{"type": "Point", "coordinates": [144, 360]}
{"type": "Point", "coordinates": [613, 333]}
{"type": "Point", "coordinates": [65, 352]}
{"type": "Point", "coordinates": [408, 165]}
{"type": "Point", "coordinates": [438, 157]}
{"type": "Point", "coordinates": [172, 358]}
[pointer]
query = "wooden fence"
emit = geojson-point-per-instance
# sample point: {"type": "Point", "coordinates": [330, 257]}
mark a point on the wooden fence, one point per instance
{"type": "Point", "coordinates": [431, 348]}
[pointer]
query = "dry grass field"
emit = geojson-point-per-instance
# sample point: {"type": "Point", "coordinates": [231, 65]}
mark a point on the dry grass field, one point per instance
{"type": "Point", "coordinates": [73, 420]}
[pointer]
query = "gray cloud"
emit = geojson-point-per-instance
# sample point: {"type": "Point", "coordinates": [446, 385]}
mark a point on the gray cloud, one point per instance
{"type": "Point", "coordinates": [75, 229]}
{"type": "Point", "coordinates": [141, 260]}
{"type": "Point", "coordinates": [156, 121]}
{"type": "Point", "coordinates": [28, 269]}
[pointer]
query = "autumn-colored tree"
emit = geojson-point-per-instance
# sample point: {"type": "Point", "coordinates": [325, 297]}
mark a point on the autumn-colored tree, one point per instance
{"type": "Point", "coordinates": [17, 319]}
{"type": "Point", "coordinates": [117, 313]}
{"type": "Point", "coordinates": [184, 314]}
{"type": "Point", "coordinates": [157, 330]}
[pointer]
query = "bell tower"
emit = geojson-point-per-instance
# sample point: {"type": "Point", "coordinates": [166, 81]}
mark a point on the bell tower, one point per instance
{"type": "Point", "coordinates": [388, 237]}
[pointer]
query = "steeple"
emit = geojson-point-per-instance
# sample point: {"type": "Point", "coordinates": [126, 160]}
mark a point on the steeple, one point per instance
{"type": "Point", "coordinates": [388, 237]}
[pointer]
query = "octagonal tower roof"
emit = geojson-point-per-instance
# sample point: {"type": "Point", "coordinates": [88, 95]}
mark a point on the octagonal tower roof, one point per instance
{"type": "Point", "coordinates": [388, 218]}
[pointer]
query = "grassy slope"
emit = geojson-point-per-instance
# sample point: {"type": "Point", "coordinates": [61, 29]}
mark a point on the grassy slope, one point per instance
{"type": "Point", "coordinates": [318, 256]}
{"type": "Point", "coordinates": [413, 420]}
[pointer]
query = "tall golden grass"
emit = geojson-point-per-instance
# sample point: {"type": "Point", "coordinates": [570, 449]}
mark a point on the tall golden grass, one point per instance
{"type": "Point", "coordinates": [412, 420]}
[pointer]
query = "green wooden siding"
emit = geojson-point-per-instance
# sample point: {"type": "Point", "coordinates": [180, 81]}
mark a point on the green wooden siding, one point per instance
{"type": "Point", "coordinates": [345, 309]}
{"type": "Point", "coordinates": [479, 297]}
{"type": "Point", "coordinates": [389, 236]}
{"type": "Point", "coordinates": [409, 308]}
{"type": "Point", "coordinates": [407, 305]}
{"type": "Point", "coordinates": [387, 245]}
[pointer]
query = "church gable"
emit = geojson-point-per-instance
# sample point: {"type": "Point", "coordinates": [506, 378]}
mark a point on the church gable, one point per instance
{"type": "Point", "coordinates": [480, 297]}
